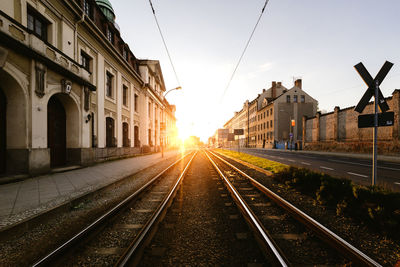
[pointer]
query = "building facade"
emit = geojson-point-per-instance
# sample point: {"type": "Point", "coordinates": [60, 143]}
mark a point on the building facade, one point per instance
{"type": "Point", "coordinates": [71, 90]}
{"type": "Point", "coordinates": [275, 116]}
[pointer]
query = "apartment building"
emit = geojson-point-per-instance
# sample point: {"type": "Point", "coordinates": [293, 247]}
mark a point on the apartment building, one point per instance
{"type": "Point", "coordinates": [72, 92]}
{"type": "Point", "coordinates": [275, 115]}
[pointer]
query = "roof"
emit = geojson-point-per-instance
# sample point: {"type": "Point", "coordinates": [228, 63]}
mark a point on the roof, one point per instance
{"type": "Point", "coordinates": [106, 5]}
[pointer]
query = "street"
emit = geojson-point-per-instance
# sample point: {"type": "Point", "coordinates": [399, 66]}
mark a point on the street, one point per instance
{"type": "Point", "coordinates": [358, 170]}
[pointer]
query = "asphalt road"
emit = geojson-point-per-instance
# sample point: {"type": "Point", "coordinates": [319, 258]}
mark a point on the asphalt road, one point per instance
{"type": "Point", "coordinates": [358, 170]}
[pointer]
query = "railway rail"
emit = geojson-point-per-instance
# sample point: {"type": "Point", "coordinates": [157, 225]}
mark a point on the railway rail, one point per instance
{"type": "Point", "coordinates": [108, 240]}
{"type": "Point", "coordinates": [289, 239]}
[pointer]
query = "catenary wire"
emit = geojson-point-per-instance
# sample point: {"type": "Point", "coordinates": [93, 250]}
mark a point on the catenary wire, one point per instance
{"type": "Point", "coordinates": [244, 51]}
{"type": "Point", "coordinates": [165, 44]}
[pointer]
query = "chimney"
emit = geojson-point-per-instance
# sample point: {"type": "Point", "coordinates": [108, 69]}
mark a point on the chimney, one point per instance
{"type": "Point", "coordinates": [279, 84]}
{"type": "Point", "coordinates": [297, 83]}
{"type": "Point", "coordinates": [273, 89]}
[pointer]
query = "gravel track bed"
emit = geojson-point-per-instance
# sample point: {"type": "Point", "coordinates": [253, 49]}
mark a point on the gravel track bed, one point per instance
{"type": "Point", "coordinates": [203, 227]}
{"type": "Point", "coordinates": [22, 249]}
{"type": "Point", "coordinates": [377, 246]}
{"type": "Point", "coordinates": [108, 245]}
{"type": "Point", "coordinates": [303, 248]}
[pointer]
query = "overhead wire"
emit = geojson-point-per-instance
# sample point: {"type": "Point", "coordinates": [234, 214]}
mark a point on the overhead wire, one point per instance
{"type": "Point", "coordinates": [165, 44]}
{"type": "Point", "coordinates": [244, 51]}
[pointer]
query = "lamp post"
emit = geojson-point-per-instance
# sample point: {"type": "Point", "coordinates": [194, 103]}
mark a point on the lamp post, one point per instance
{"type": "Point", "coordinates": [163, 124]}
{"type": "Point", "coordinates": [176, 88]}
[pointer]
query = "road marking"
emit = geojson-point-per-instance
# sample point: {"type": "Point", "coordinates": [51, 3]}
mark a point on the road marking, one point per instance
{"type": "Point", "coordinates": [365, 165]}
{"type": "Point", "coordinates": [291, 160]}
{"type": "Point", "coordinates": [305, 163]}
{"type": "Point", "coordinates": [327, 168]}
{"type": "Point", "coordinates": [397, 183]}
{"type": "Point", "coordinates": [356, 174]}
{"type": "Point", "coordinates": [280, 158]}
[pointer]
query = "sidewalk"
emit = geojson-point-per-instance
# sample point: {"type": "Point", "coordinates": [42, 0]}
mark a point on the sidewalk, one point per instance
{"type": "Point", "coordinates": [21, 200]}
{"type": "Point", "coordinates": [395, 159]}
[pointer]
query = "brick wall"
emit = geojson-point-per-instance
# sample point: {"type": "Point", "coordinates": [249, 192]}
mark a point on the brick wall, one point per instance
{"type": "Point", "coordinates": [338, 130]}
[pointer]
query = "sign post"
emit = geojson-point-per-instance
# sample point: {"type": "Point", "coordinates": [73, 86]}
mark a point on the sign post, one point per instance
{"type": "Point", "coordinates": [379, 119]}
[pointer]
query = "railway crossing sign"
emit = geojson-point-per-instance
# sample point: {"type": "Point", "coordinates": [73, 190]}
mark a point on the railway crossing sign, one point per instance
{"type": "Point", "coordinates": [372, 83]}
{"type": "Point", "coordinates": [376, 119]}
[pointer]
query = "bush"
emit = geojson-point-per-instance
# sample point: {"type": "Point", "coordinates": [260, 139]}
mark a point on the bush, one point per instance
{"type": "Point", "coordinates": [333, 191]}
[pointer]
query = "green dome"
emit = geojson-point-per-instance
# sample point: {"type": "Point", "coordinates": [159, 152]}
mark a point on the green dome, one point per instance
{"type": "Point", "coordinates": [107, 9]}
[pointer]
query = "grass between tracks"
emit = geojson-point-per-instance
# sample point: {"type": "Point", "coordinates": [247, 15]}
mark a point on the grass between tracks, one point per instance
{"type": "Point", "coordinates": [373, 205]}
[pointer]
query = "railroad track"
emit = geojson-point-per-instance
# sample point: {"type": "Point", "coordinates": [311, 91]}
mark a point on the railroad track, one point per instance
{"type": "Point", "coordinates": [116, 237]}
{"type": "Point", "coordinates": [288, 236]}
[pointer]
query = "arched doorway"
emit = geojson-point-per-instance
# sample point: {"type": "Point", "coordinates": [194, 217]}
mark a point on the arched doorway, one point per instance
{"type": "Point", "coordinates": [110, 140]}
{"type": "Point", "coordinates": [56, 132]}
{"type": "Point", "coordinates": [125, 134]}
{"type": "Point", "coordinates": [3, 131]}
{"type": "Point", "coordinates": [136, 137]}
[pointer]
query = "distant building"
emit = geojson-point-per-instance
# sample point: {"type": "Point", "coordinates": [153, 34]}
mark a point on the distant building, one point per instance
{"type": "Point", "coordinates": [270, 115]}
{"type": "Point", "coordinates": [71, 91]}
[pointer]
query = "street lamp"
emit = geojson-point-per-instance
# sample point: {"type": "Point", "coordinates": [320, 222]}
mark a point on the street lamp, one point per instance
{"type": "Point", "coordinates": [176, 88]}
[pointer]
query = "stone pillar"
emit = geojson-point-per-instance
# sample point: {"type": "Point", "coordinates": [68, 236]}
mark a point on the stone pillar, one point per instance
{"type": "Point", "coordinates": [396, 109]}
{"type": "Point", "coordinates": [318, 117]}
{"type": "Point", "coordinates": [336, 124]}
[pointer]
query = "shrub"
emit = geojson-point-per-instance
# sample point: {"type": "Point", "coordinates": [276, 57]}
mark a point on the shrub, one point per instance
{"type": "Point", "coordinates": [333, 190]}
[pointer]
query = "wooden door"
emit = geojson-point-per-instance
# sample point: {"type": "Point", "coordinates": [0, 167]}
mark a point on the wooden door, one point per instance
{"type": "Point", "coordinates": [3, 132]}
{"type": "Point", "coordinates": [125, 134]}
{"type": "Point", "coordinates": [56, 132]}
{"type": "Point", "coordinates": [109, 132]}
{"type": "Point", "coordinates": [136, 132]}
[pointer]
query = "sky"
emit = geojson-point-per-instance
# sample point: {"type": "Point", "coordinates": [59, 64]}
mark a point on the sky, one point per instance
{"type": "Point", "coordinates": [318, 41]}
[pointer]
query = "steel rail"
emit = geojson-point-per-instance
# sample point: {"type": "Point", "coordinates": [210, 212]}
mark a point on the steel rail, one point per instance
{"type": "Point", "coordinates": [143, 237]}
{"type": "Point", "coordinates": [336, 241]}
{"type": "Point", "coordinates": [46, 260]}
{"type": "Point", "coordinates": [265, 238]}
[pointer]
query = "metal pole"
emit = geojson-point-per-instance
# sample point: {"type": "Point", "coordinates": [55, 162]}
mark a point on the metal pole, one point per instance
{"type": "Point", "coordinates": [375, 149]}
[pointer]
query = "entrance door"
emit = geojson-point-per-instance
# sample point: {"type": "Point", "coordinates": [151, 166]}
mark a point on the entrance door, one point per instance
{"type": "Point", "coordinates": [56, 132]}
{"type": "Point", "coordinates": [3, 131]}
{"type": "Point", "coordinates": [136, 133]}
{"type": "Point", "coordinates": [109, 132]}
{"type": "Point", "coordinates": [125, 134]}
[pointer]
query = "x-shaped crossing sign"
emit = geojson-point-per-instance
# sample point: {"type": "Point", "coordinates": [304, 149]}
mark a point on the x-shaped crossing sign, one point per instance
{"type": "Point", "coordinates": [371, 83]}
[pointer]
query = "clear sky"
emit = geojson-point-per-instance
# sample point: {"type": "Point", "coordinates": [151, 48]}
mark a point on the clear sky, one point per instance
{"type": "Point", "coordinates": [317, 40]}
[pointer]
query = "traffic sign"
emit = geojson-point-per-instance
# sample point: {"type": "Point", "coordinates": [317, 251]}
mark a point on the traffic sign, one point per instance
{"type": "Point", "coordinates": [372, 83]}
{"type": "Point", "coordinates": [238, 131]}
{"type": "Point", "coordinates": [384, 119]}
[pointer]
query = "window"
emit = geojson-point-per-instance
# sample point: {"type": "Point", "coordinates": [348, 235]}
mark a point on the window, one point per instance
{"type": "Point", "coordinates": [85, 61]}
{"type": "Point", "coordinates": [302, 98]}
{"type": "Point", "coordinates": [109, 82]}
{"type": "Point", "coordinates": [270, 124]}
{"type": "Point", "coordinates": [295, 98]}
{"type": "Point", "coordinates": [125, 95]}
{"type": "Point", "coordinates": [136, 102]}
{"type": "Point", "coordinates": [267, 124]}
{"type": "Point", "coordinates": [271, 112]}
{"type": "Point", "coordinates": [267, 112]}
{"type": "Point", "coordinates": [149, 110]}
{"type": "Point", "coordinates": [110, 36]}
{"type": "Point", "coordinates": [125, 54]}
{"type": "Point", "coordinates": [87, 8]}
{"type": "Point", "coordinates": [288, 99]}
{"type": "Point", "coordinates": [37, 24]}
